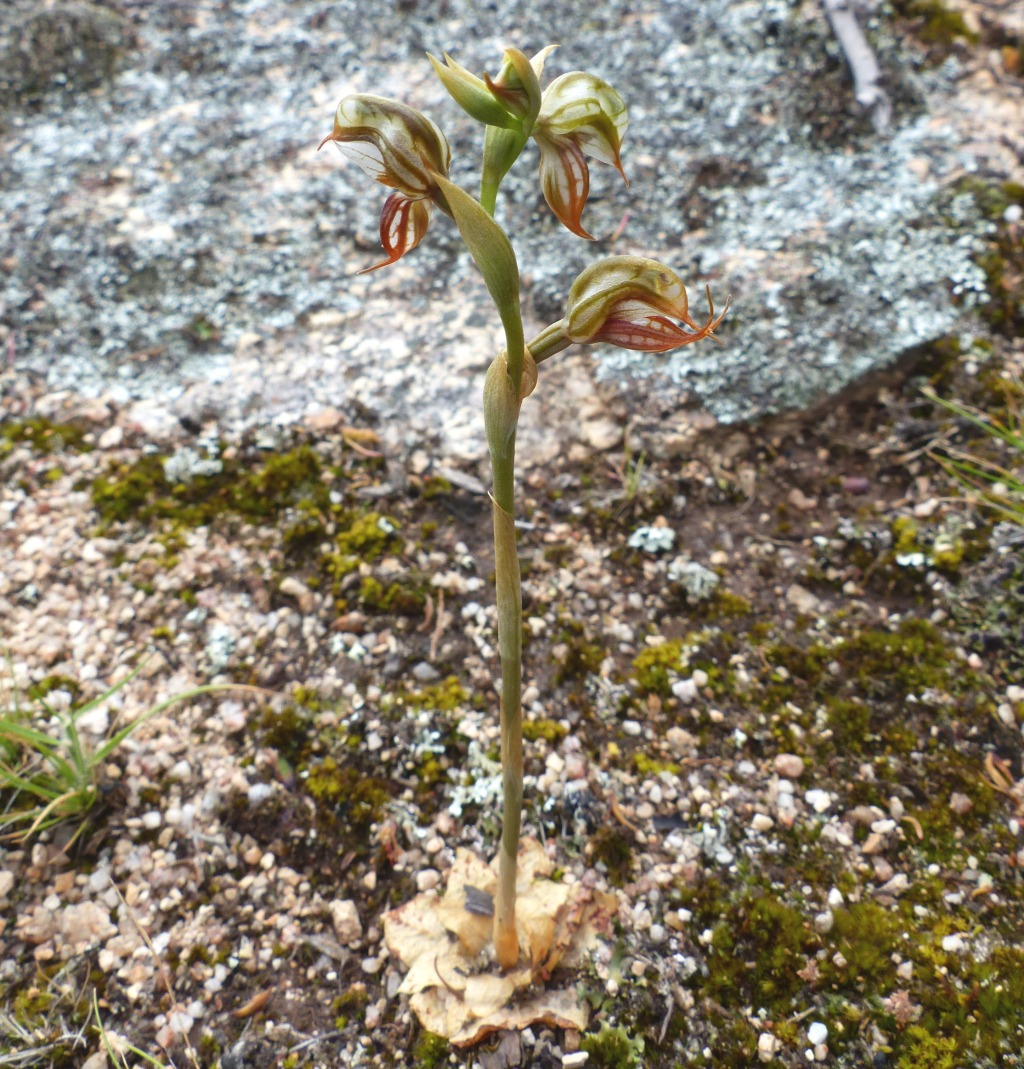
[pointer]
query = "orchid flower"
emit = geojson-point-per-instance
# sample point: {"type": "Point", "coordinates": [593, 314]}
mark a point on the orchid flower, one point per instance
{"type": "Point", "coordinates": [631, 302]}
{"type": "Point", "coordinates": [580, 115]}
{"type": "Point", "coordinates": [400, 148]}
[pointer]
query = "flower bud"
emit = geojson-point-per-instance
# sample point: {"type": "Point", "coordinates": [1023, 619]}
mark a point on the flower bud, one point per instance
{"type": "Point", "coordinates": [518, 84]}
{"type": "Point", "coordinates": [631, 302]}
{"type": "Point", "coordinates": [473, 94]}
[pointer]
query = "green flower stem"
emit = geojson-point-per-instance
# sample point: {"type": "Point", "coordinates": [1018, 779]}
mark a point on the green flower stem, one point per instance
{"type": "Point", "coordinates": [502, 147]}
{"type": "Point", "coordinates": [501, 417]}
{"type": "Point", "coordinates": [510, 378]}
{"type": "Point", "coordinates": [550, 341]}
{"type": "Point", "coordinates": [509, 599]}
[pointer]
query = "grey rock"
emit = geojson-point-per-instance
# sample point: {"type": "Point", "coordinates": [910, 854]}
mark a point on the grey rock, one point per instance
{"type": "Point", "coordinates": [424, 672]}
{"type": "Point", "coordinates": [62, 46]}
{"type": "Point", "coordinates": [188, 246]}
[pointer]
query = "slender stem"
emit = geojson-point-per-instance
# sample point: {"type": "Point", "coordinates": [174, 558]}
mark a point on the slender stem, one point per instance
{"type": "Point", "coordinates": [549, 341]}
{"type": "Point", "coordinates": [502, 148]}
{"type": "Point", "coordinates": [509, 599]}
{"type": "Point", "coordinates": [488, 194]}
{"type": "Point", "coordinates": [511, 376]}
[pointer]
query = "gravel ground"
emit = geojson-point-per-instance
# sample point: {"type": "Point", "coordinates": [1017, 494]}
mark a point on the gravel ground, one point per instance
{"type": "Point", "coordinates": [774, 685]}
{"type": "Point", "coordinates": [787, 740]}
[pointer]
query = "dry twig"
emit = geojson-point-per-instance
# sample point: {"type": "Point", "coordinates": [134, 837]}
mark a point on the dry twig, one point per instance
{"type": "Point", "coordinates": [867, 75]}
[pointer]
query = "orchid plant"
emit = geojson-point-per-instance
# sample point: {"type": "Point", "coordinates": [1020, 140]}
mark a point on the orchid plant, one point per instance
{"type": "Point", "coordinates": [627, 301]}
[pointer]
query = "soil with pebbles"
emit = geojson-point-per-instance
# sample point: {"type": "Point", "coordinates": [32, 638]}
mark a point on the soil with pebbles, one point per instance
{"type": "Point", "coordinates": [771, 739]}
{"type": "Point", "coordinates": [773, 674]}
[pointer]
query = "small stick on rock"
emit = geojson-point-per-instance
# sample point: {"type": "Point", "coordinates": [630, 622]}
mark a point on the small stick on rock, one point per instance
{"type": "Point", "coordinates": [867, 75]}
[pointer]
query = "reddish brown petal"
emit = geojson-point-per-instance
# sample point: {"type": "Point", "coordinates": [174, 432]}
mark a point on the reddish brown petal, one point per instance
{"type": "Point", "coordinates": [654, 333]}
{"type": "Point", "coordinates": [403, 222]}
{"type": "Point", "coordinates": [565, 180]}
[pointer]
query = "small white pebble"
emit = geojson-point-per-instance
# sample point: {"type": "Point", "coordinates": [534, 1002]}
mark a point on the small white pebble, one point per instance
{"type": "Point", "coordinates": [181, 771]}
{"type": "Point", "coordinates": [767, 1046]}
{"type": "Point", "coordinates": [789, 765]}
{"type": "Point", "coordinates": [575, 1060]}
{"type": "Point", "coordinates": [685, 690]}
{"type": "Point", "coordinates": [99, 880]}
{"type": "Point", "coordinates": [762, 822]}
{"type": "Point", "coordinates": [953, 944]}
{"type": "Point", "coordinates": [632, 727]}
{"type": "Point", "coordinates": [820, 801]}
{"type": "Point", "coordinates": [427, 879]}
{"type": "Point", "coordinates": [817, 1033]}
{"type": "Point", "coordinates": [152, 820]}
{"type": "Point", "coordinates": [835, 898]}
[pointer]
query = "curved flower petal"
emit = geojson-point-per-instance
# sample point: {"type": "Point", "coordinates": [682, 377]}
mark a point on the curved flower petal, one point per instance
{"type": "Point", "coordinates": [401, 148]}
{"type": "Point", "coordinates": [632, 325]}
{"type": "Point", "coordinates": [588, 110]}
{"type": "Point", "coordinates": [537, 61]}
{"type": "Point", "coordinates": [517, 85]}
{"type": "Point", "coordinates": [403, 223]}
{"type": "Point", "coordinates": [634, 302]}
{"type": "Point", "coordinates": [565, 181]}
{"type": "Point", "coordinates": [620, 278]}
{"type": "Point", "coordinates": [394, 144]}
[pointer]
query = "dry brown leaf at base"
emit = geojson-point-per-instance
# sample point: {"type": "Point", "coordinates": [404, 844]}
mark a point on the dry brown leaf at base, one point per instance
{"type": "Point", "coordinates": [556, 1009]}
{"type": "Point", "coordinates": [456, 988]}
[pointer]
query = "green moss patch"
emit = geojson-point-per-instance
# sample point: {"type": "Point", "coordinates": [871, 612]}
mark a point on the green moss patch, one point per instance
{"type": "Point", "coordinates": [654, 668]}
{"type": "Point", "coordinates": [936, 25]}
{"type": "Point", "coordinates": [1003, 258]}
{"type": "Point", "coordinates": [42, 436]}
{"type": "Point", "coordinates": [249, 484]}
